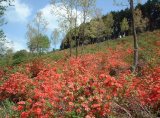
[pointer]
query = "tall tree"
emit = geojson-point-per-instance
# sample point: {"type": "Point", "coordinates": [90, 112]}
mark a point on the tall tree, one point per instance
{"type": "Point", "coordinates": [151, 10]}
{"type": "Point", "coordinates": [3, 5]}
{"type": "Point", "coordinates": [132, 9]}
{"type": "Point", "coordinates": [31, 33]}
{"type": "Point", "coordinates": [124, 26]}
{"type": "Point", "coordinates": [65, 10]}
{"type": "Point", "coordinates": [35, 33]}
{"type": "Point", "coordinates": [95, 30]}
{"type": "Point", "coordinates": [2, 10]}
{"type": "Point", "coordinates": [40, 23]}
{"type": "Point", "coordinates": [2, 45]}
{"type": "Point", "coordinates": [108, 22]}
{"type": "Point", "coordinates": [100, 27]}
{"type": "Point", "coordinates": [9, 56]}
{"type": "Point", "coordinates": [44, 43]}
{"type": "Point", "coordinates": [140, 22]}
{"type": "Point", "coordinates": [135, 63]}
{"type": "Point", "coordinates": [87, 7]}
{"type": "Point", "coordinates": [76, 6]}
{"type": "Point", "coordinates": [55, 37]}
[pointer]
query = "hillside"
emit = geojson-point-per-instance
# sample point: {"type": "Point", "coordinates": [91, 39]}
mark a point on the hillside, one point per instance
{"type": "Point", "coordinates": [114, 25]}
{"type": "Point", "coordinates": [97, 84]}
{"type": "Point", "coordinates": [148, 42]}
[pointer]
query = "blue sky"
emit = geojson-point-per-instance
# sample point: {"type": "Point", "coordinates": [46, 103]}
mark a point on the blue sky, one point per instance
{"type": "Point", "coordinates": [24, 11]}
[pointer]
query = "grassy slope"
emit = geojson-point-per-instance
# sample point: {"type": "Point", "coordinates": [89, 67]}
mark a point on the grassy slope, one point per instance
{"type": "Point", "coordinates": [146, 40]}
{"type": "Point", "coordinates": [149, 49]}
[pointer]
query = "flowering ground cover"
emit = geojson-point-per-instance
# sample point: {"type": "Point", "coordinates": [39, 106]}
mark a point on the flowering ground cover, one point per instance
{"type": "Point", "coordinates": [94, 85]}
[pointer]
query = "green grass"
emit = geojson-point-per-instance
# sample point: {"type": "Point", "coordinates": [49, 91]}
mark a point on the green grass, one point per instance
{"type": "Point", "coordinates": [6, 109]}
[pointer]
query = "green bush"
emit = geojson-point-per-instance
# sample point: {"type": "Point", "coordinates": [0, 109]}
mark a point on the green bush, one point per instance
{"type": "Point", "coordinates": [20, 56]}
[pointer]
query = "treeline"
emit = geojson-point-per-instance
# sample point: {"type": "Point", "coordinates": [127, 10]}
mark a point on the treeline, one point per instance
{"type": "Point", "coordinates": [115, 24]}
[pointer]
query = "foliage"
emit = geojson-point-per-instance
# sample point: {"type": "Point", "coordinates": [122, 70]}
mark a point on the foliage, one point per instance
{"type": "Point", "coordinates": [2, 10]}
{"type": "Point", "coordinates": [9, 57]}
{"type": "Point", "coordinates": [2, 22]}
{"type": "Point", "coordinates": [95, 29]}
{"type": "Point", "coordinates": [140, 22]}
{"type": "Point", "coordinates": [71, 18]}
{"type": "Point", "coordinates": [124, 25]}
{"type": "Point", "coordinates": [43, 43]}
{"type": "Point", "coordinates": [37, 40]}
{"type": "Point", "coordinates": [87, 8]}
{"type": "Point", "coordinates": [20, 56]}
{"type": "Point", "coordinates": [68, 18]}
{"type": "Point", "coordinates": [2, 45]}
{"type": "Point", "coordinates": [40, 42]}
{"type": "Point", "coordinates": [108, 21]}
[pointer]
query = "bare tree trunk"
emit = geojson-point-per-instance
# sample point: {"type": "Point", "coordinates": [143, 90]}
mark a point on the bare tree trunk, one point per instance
{"type": "Point", "coordinates": [76, 38]}
{"type": "Point", "coordinates": [76, 34]}
{"type": "Point", "coordinates": [70, 40]}
{"type": "Point", "coordinates": [70, 43]}
{"type": "Point", "coordinates": [83, 34]}
{"type": "Point", "coordinates": [76, 45]}
{"type": "Point", "coordinates": [135, 63]}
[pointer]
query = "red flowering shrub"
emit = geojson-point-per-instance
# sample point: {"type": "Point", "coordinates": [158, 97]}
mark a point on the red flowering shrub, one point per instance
{"type": "Point", "coordinates": [35, 67]}
{"type": "Point", "coordinates": [16, 87]}
{"type": "Point", "coordinates": [149, 90]}
{"type": "Point", "coordinates": [82, 87]}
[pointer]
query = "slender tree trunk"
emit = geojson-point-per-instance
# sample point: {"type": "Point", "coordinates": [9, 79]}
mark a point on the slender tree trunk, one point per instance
{"type": "Point", "coordinates": [71, 26]}
{"type": "Point", "coordinates": [135, 63]}
{"type": "Point", "coordinates": [76, 38]}
{"type": "Point", "coordinates": [76, 44]}
{"type": "Point", "coordinates": [83, 34]}
{"type": "Point", "coordinates": [76, 34]}
{"type": "Point", "coordinates": [70, 43]}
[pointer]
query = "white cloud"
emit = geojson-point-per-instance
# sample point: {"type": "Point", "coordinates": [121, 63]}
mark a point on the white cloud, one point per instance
{"type": "Point", "coordinates": [53, 19]}
{"type": "Point", "coordinates": [16, 44]}
{"type": "Point", "coordinates": [19, 12]}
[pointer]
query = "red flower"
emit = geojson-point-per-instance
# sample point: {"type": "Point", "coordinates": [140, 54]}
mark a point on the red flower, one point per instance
{"type": "Point", "coordinates": [24, 115]}
{"type": "Point", "coordinates": [21, 103]}
{"type": "Point", "coordinates": [38, 111]}
{"type": "Point", "coordinates": [19, 108]}
{"type": "Point", "coordinates": [71, 103]}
